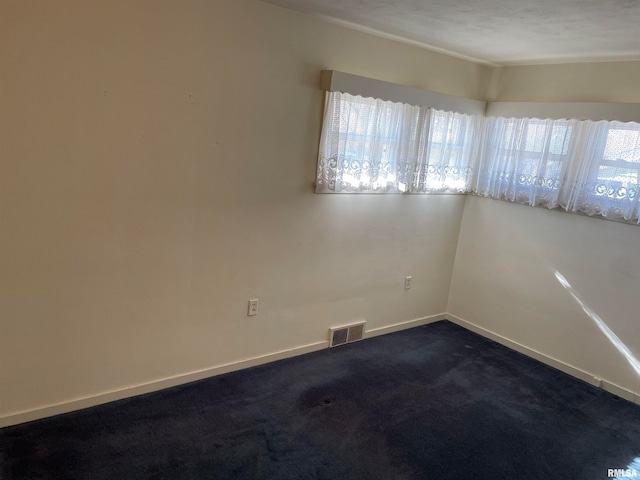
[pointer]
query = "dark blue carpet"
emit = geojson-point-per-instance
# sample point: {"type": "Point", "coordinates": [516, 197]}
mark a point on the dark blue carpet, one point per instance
{"type": "Point", "coordinates": [434, 402]}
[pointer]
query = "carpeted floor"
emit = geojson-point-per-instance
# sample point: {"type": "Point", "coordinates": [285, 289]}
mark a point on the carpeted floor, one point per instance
{"type": "Point", "coordinates": [433, 402]}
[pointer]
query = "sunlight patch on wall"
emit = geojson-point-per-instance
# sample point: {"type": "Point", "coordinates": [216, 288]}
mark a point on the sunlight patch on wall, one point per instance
{"type": "Point", "coordinates": [613, 338]}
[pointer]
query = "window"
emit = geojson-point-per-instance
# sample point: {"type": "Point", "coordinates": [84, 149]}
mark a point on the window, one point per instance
{"type": "Point", "coordinates": [372, 146]}
{"type": "Point", "coordinates": [607, 172]}
{"type": "Point", "coordinates": [446, 159]}
{"type": "Point", "coordinates": [366, 145]}
{"type": "Point", "coordinates": [524, 160]}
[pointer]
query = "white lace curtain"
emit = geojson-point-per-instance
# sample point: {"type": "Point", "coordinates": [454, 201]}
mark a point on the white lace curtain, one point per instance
{"type": "Point", "coordinates": [367, 144]}
{"type": "Point", "coordinates": [524, 160]}
{"type": "Point", "coordinates": [447, 153]}
{"type": "Point", "coordinates": [372, 146]}
{"type": "Point", "coordinates": [604, 178]}
{"type": "Point", "coordinates": [581, 166]}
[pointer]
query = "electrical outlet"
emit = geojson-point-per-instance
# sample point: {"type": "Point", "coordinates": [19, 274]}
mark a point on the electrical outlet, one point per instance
{"type": "Point", "coordinates": [253, 307]}
{"type": "Point", "coordinates": [407, 283]}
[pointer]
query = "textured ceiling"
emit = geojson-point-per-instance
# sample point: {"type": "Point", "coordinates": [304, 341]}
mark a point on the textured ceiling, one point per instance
{"type": "Point", "coordinates": [496, 31]}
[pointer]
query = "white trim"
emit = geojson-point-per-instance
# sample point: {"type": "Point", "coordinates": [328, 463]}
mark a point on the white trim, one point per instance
{"type": "Point", "coordinates": [94, 400]}
{"type": "Point", "coordinates": [404, 325]}
{"type": "Point", "coordinates": [334, 81]}
{"type": "Point", "coordinates": [547, 360]}
{"type": "Point", "coordinates": [132, 391]}
{"type": "Point", "coordinates": [495, 62]}
{"type": "Point", "coordinates": [568, 59]}
{"type": "Point", "coordinates": [398, 38]}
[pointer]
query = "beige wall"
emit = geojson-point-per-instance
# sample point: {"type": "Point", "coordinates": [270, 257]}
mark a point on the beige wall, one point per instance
{"type": "Point", "coordinates": [156, 173]}
{"type": "Point", "coordinates": [505, 282]}
{"type": "Point", "coordinates": [572, 82]}
{"type": "Point", "coordinates": [504, 276]}
{"type": "Point", "coordinates": [157, 168]}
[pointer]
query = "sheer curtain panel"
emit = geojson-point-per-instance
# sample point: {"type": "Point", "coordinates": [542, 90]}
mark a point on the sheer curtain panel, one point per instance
{"type": "Point", "coordinates": [605, 175]}
{"type": "Point", "coordinates": [447, 153]}
{"type": "Point", "coordinates": [367, 145]}
{"type": "Point", "coordinates": [372, 146]}
{"type": "Point", "coordinates": [524, 160]}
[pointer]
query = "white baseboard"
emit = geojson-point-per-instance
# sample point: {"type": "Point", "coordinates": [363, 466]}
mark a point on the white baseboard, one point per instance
{"type": "Point", "coordinates": [131, 391]}
{"type": "Point", "coordinates": [558, 364]}
{"type": "Point", "coordinates": [92, 401]}
{"type": "Point", "coordinates": [404, 325]}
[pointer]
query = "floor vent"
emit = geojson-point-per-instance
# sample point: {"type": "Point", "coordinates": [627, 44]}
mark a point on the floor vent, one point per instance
{"type": "Point", "coordinates": [346, 334]}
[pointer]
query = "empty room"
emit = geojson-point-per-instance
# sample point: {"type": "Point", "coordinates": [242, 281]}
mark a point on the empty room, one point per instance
{"type": "Point", "coordinates": [319, 239]}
